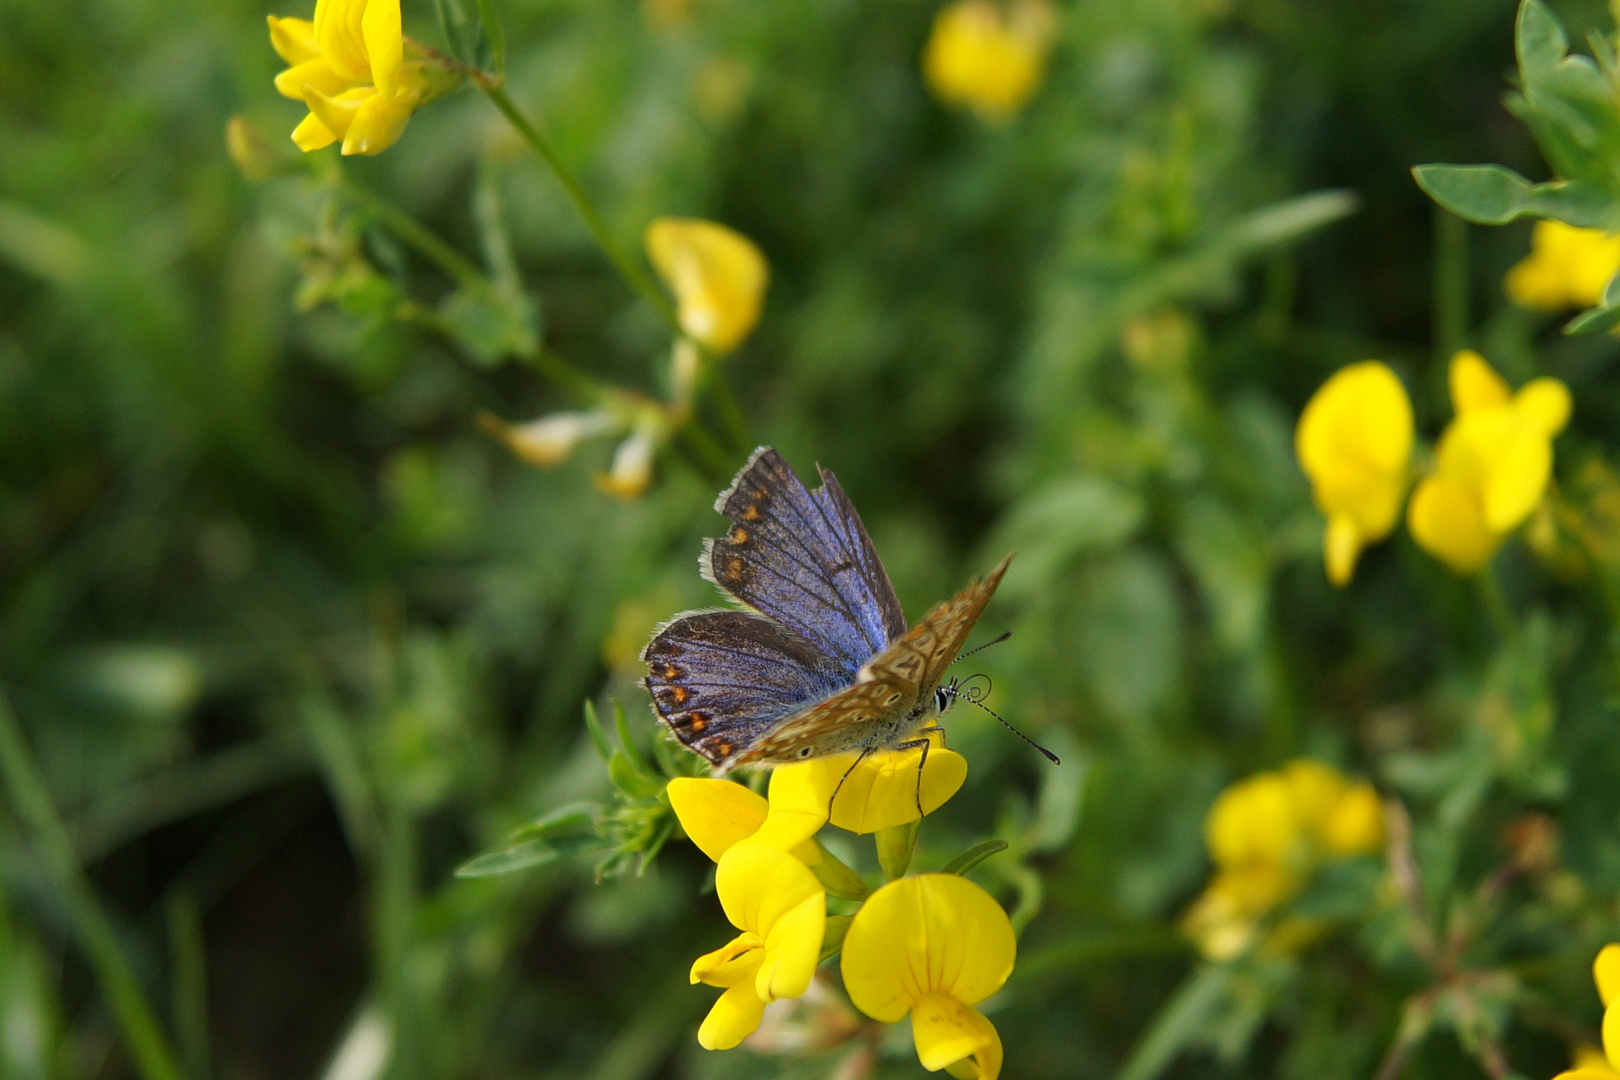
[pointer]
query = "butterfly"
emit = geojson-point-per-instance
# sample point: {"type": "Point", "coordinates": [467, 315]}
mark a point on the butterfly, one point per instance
{"type": "Point", "coordinates": [820, 661]}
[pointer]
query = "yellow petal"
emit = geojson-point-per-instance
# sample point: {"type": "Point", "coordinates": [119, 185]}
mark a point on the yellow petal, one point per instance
{"type": "Point", "coordinates": [931, 932]}
{"type": "Point", "coordinates": [947, 1031]}
{"type": "Point", "coordinates": [1353, 441]}
{"type": "Point", "coordinates": [1586, 1074]}
{"type": "Point", "coordinates": [987, 58]}
{"type": "Point", "coordinates": [1356, 826]}
{"type": "Point", "coordinates": [1448, 522]}
{"type": "Point", "coordinates": [293, 39]}
{"type": "Point", "coordinates": [799, 797]}
{"type": "Point", "coordinates": [732, 1019]}
{"type": "Point", "coordinates": [760, 884]}
{"type": "Point", "coordinates": [884, 789]}
{"type": "Point", "coordinates": [311, 134]}
{"type": "Point", "coordinates": [1341, 547]}
{"type": "Point", "coordinates": [1544, 403]}
{"type": "Point", "coordinates": [1611, 1035]}
{"type": "Point", "coordinates": [337, 113]}
{"type": "Point", "coordinates": [1606, 973]}
{"type": "Point", "coordinates": [632, 466]}
{"type": "Point", "coordinates": [1315, 790]}
{"type": "Point", "coordinates": [734, 962]}
{"type": "Point", "coordinates": [717, 275]}
{"type": "Point", "coordinates": [340, 35]}
{"type": "Point", "coordinates": [316, 73]}
{"type": "Point", "coordinates": [379, 123]}
{"type": "Point", "coordinates": [792, 950]}
{"type": "Point", "coordinates": [716, 814]}
{"type": "Point", "coordinates": [1517, 480]}
{"type": "Point", "coordinates": [1475, 384]}
{"type": "Point", "coordinates": [1253, 820]}
{"type": "Point", "coordinates": [1587, 1056]}
{"type": "Point", "coordinates": [385, 43]}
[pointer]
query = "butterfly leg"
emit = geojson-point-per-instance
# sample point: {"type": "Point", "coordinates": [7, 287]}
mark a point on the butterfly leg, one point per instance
{"type": "Point", "coordinates": [919, 744]}
{"type": "Point", "coordinates": [934, 729]}
{"type": "Point", "coordinates": [840, 785]}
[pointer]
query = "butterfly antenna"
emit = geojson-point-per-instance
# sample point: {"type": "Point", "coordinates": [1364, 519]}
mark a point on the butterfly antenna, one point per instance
{"type": "Point", "coordinates": [973, 700]}
{"type": "Point", "coordinates": [963, 656]}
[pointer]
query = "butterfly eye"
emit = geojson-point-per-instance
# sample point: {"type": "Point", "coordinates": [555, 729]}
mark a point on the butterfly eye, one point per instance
{"type": "Point", "coordinates": [806, 751]}
{"type": "Point", "coordinates": [942, 699]}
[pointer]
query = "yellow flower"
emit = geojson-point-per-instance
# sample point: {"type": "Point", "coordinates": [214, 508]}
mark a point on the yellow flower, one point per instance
{"type": "Point", "coordinates": [719, 814]}
{"type": "Point", "coordinates": [1567, 267]}
{"type": "Point", "coordinates": [631, 469]}
{"type": "Point", "coordinates": [717, 275]}
{"type": "Point", "coordinates": [1590, 1065]}
{"type": "Point", "coordinates": [781, 910]}
{"type": "Point", "coordinates": [349, 66]}
{"type": "Point", "coordinates": [934, 946]}
{"type": "Point", "coordinates": [989, 57]}
{"type": "Point", "coordinates": [1266, 834]}
{"type": "Point", "coordinates": [1353, 441]}
{"type": "Point", "coordinates": [883, 790]}
{"type": "Point", "coordinates": [1493, 464]}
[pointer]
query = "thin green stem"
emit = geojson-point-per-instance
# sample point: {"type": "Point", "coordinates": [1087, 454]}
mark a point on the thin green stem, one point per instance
{"type": "Point", "coordinates": [32, 800]}
{"type": "Point", "coordinates": [630, 270]}
{"type": "Point", "coordinates": [1490, 590]}
{"type": "Point", "coordinates": [704, 446]}
{"type": "Point", "coordinates": [418, 236]}
{"type": "Point", "coordinates": [731, 414]}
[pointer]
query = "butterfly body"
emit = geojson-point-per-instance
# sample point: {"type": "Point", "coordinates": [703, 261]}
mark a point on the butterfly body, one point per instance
{"type": "Point", "coordinates": [822, 661]}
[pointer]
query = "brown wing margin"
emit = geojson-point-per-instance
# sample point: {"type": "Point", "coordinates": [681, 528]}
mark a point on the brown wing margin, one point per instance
{"type": "Point", "coordinates": [927, 649]}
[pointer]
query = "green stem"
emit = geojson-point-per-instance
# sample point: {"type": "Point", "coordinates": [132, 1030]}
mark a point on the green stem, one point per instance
{"type": "Point", "coordinates": [630, 270]}
{"type": "Point", "coordinates": [1490, 589]}
{"type": "Point", "coordinates": [417, 236]}
{"type": "Point", "coordinates": [704, 446]}
{"type": "Point", "coordinates": [94, 930]}
{"type": "Point", "coordinates": [731, 414]}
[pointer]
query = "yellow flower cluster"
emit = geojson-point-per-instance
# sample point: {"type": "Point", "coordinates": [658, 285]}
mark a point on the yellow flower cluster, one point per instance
{"type": "Point", "coordinates": [1266, 835]}
{"type": "Point", "coordinates": [931, 945]}
{"type": "Point", "coordinates": [350, 66]}
{"type": "Point", "coordinates": [1595, 1066]}
{"type": "Point", "coordinates": [1567, 267]}
{"type": "Point", "coordinates": [1492, 465]}
{"type": "Point", "coordinates": [987, 56]}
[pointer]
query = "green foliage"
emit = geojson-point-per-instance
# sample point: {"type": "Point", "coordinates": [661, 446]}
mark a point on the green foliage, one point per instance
{"type": "Point", "coordinates": [298, 653]}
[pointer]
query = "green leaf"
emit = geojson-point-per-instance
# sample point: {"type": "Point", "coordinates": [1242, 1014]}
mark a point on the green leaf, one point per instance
{"type": "Point", "coordinates": [593, 724]}
{"type": "Point", "coordinates": [494, 33]}
{"type": "Point", "coordinates": [1538, 40]}
{"type": "Point", "coordinates": [565, 822]}
{"type": "Point", "coordinates": [1494, 195]}
{"type": "Point", "coordinates": [530, 853]}
{"type": "Point", "coordinates": [973, 856]}
{"type": "Point", "coordinates": [1179, 1023]}
{"type": "Point", "coordinates": [1598, 320]}
{"type": "Point", "coordinates": [836, 877]}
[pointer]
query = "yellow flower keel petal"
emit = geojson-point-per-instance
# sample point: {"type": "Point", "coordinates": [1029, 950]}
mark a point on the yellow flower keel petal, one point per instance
{"type": "Point", "coordinates": [732, 1019]}
{"type": "Point", "coordinates": [716, 814]}
{"type": "Point", "coordinates": [947, 1031]}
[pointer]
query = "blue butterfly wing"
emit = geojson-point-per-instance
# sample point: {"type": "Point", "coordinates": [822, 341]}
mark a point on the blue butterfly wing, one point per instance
{"type": "Point", "coordinates": [721, 679]}
{"type": "Point", "coordinates": [803, 559]}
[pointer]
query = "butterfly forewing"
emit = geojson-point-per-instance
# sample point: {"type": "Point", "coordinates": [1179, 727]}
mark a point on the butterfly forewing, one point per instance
{"type": "Point", "coordinates": [803, 558]}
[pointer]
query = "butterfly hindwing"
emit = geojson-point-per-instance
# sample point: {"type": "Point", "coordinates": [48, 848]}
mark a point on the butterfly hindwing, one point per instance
{"type": "Point", "coordinates": [803, 559]}
{"type": "Point", "coordinates": [721, 679]}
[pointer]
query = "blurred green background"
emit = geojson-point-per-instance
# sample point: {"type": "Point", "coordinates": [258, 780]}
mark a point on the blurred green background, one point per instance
{"type": "Point", "coordinates": [290, 639]}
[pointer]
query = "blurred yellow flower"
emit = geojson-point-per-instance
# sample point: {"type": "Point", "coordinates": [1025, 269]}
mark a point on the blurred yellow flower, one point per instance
{"type": "Point", "coordinates": [781, 910]}
{"type": "Point", "coordinates": [551, 439]}
{"type": "Point", "coordinates": [349, 66]}
{"type": "Point", "coordinates": [630, 472]}
{"type": "Point", "coordinates": [1589, 1063]}
{"type": "Point", "coordinates": [934, 946]}
{"type": "Point", "coordinates": [1266, 834]}
{"type": "Point", "coordinates": [1493, 464]}
{"type": "Point", "coordinates": [1353, 441]}
{"type": "Point", "coordinates": [1567, 267]}
{"type": "Point", "coordinates": [718, 277]}
{"type": "Point", "coordinates": [988, 56]}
